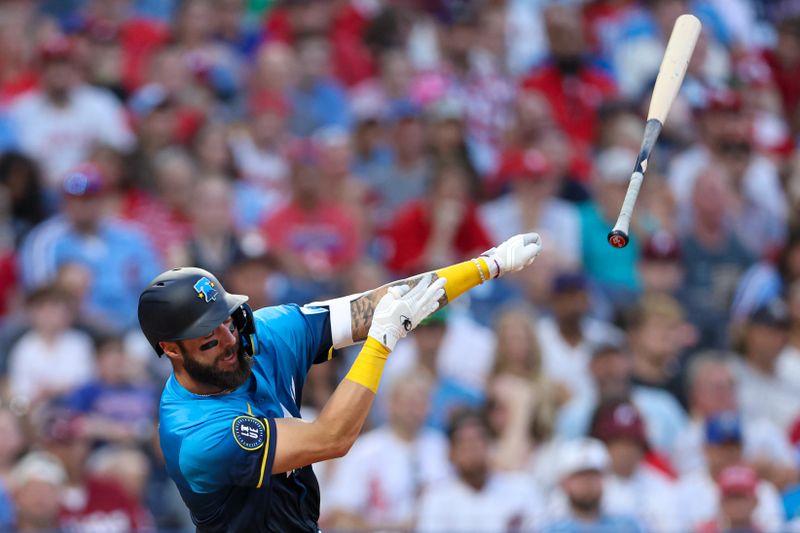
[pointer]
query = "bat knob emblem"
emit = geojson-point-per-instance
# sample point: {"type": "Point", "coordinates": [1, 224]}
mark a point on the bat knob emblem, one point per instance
{"type": "Point", "coordinates": [618, 239]}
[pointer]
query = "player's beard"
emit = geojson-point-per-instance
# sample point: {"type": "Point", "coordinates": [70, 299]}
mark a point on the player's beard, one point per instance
{"type": "Point", "coordinates": [213, 375]}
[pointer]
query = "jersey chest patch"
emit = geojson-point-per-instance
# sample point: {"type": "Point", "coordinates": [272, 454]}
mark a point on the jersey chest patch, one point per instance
{"type": "Point", "coordinates": [249, 432]}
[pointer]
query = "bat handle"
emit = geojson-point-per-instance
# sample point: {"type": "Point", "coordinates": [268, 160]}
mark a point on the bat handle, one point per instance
{"type": "Point", "coordinates": [618, 237]}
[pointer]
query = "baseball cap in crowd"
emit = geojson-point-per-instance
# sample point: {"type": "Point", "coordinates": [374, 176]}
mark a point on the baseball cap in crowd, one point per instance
{"type": "Point", "coordinates": [523, 165]}
{"type": "Point", "coordinates": [737, 479]}
{"type": "Point", "coordinates": [149, 98]}
{"type": "Point", "coordinates": [618, 420]}
{"type": "Point", "coordinates": [661, 246]}
{"type": "Point", "coordinates": [40, 466]}
{"type": "Point", "coordinates": [403, 109]}
{"type": "Point", "coordinates": [83, 181]}
{"type": "Point", "coordinates": [581, 455]}
{"type": "Point", "coordinates": [724, 428]}
{"type": "Point", "coordinates": [269, 102]}
{"type": "Point", "coordinates": [57, 48]}
{"type": "Point", "coordinates": [564, 282]}
{"type": "Point", "coordinates": [774, 314]}
{"type": "Point", "coordinates": [722, 99]}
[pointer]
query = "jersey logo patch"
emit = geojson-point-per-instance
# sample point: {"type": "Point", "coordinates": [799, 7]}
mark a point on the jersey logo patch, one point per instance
{"type": "Point", "coordinates": [205, 289]}
{"type": "Point", "coordinates": [249, 432]}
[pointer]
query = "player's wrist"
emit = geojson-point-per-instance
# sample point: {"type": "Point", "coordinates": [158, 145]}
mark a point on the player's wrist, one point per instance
{"type": "Point", "coordinates": [367, 369]}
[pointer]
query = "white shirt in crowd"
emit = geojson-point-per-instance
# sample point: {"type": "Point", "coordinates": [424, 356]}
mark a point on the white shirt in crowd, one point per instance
{"type": "Point", "coordinates": [508, 502]}
{"type": "Point", "coordinates": [699, 499]}
{"type": "Point", "coordinates": [648, 496]}
{"type": "Point", "coordinates": [60, 138]}
{"type": "Point", "coordinates": [567, 364]}
{"type": "Point", "coordinates": [382, 476]}
{"type": "Point", "coordinates": [466, 354]}
{"type": "Point", "coordinates": [35, 366]}
{"type": "Point", "coordinates": [760, 438]}
{"type": "Point", "coordinates": [788, 366]}
{"type": "Point", "coordinates": [558, 224]}
{"type": "Point", "coordinates": [767, 396]}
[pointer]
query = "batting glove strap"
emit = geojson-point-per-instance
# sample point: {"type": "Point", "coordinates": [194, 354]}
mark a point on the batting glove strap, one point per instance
{"type": "Point", "coordinates": [514, 254]}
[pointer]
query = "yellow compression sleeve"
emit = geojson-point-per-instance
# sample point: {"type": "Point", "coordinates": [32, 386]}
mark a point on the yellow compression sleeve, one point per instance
{"type": "Point", "coordinates": [368, 366]}
{"type": "Point", "coordinates": [463, 276]}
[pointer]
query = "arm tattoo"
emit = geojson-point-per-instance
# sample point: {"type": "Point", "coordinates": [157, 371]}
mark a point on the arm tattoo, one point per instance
{"type": "Point", "coordinates": [361, 308]}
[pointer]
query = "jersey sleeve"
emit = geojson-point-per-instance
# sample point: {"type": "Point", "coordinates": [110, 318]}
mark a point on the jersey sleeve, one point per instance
{"type": "Point", "coordinates": [303, 332]}
{"type": "Point", "coordinates": [232, 450]}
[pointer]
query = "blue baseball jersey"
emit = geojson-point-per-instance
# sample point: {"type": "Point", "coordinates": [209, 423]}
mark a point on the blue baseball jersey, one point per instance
{"type": "Point", "coordinates": [219, 449]}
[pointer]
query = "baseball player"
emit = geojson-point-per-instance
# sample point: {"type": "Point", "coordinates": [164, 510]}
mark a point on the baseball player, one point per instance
{"type": "Point", "coordinates": [230, 426]}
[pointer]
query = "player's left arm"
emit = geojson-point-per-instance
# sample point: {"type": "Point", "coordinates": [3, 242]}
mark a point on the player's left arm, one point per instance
{"type": "Point", "coordinates": [351, 316]}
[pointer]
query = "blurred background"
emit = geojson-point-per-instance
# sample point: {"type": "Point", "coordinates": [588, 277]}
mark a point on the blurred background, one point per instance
{"type": "Point", "coordinates": [306, 149]}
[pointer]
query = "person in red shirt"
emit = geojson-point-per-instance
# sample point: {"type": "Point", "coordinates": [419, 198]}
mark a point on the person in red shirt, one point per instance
{"type": "Point", "coordinates": [573, 86]}
{"type": "Point", "coordinates": [439, 229]}
{"type": "Point", "coordinates": [313, 236]}
{"type": "Point", "coordinates": [88, 503]}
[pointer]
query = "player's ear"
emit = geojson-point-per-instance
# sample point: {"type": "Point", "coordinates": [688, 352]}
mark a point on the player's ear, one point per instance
{"type": "Point", "coordinates": [171, 349]}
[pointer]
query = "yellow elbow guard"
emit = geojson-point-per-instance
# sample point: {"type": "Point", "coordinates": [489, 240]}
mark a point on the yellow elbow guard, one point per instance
{"type": "Point", "coordinates": [463, 276]}
{"type": "Point", "coordinates": [368, 366]}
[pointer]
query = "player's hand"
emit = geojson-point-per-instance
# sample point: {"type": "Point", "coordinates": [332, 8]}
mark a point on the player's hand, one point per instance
{"type": "Point", "coordinates": [514, 254]}
{"type": "Point", "coordinates": [402, 308]}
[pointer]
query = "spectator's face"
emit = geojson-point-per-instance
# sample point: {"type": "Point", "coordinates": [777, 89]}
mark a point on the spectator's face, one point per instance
{"type": "Point", "coordinates": [212, 209]}
{"type": "Point", "coordinates": [58, 76]}
{"type": "Point", "coordinates": [447, 135]}
{"type": "Point", "coordinates": [469, 451]}
{"type": "Point", "coordinates": [516, 344]}
{"type": "Point", "coordinates": [157, 128]}
{"type": "Point", "coordinates": [714, 390]}
{"type": "Point", "coordinates": [311, 17]}
{"type": "Point", "coordinates": [112, 364]}
{"type": "Point", "coordinates": [212, 149]}
{"type": "Point", "coordinates": [612, 373]}
{"type": "Point", "coordinates": [84, 212]}
{"type": "Point", "coordinates": [306, 184]}
{"type": "Point", "coordinates": [656, 339]}
{"type": "Point", "coordinates": [396, 73]}
{"type": "Point", "coordinates": [37, 503]}
{"type": "Point", "coordinates": [409, 136]}
{"type": "Point", "coordinates": [738, 508]}
{"type": "Point", "coordinates": [533, 111]}
{"type": "Point", "coordinates": [570, 306]}
{"type": "Point", "coordinates": [626, 455]}
{"type": "Point", "coordinates": [450, 188]}
{"type": "Point", "coordinates": [763, 343]}
{"type": "Point", "coordinates": [198, 21]}
{"type": "Point", "coordinates": [409, 406]}
{"type": "Point", "coordinates": [661, 276]}
{"type": "Point", "coordinates": [276, 67]}
{"type": "Point", "coordinates": [710, 198]}
{"type": "Point", "coordinates": [565, 31]}
{"type": "Point", "coordinates": [720, 456]}
{"type": "Point", "coordinates": [584, 490]}
{"type": "Point", "coordinates": [428, 339]}
{"type": "Point", "coordinates": [251, 278]}
{"type": "Point", "coordinates": [314, 60]}
{"type": "Point", "coordinates": [337, 157]}
{"type": "Point", "coordinates": [50, 316]}
{"type": "Point", "coordinates": [216, 359]}
{"type": "Point", "coordinates": [267, 128]}
{"type": "Point", "coordinates": [176, 183]}
{"type": "Point", "coordinates": [230, 14]}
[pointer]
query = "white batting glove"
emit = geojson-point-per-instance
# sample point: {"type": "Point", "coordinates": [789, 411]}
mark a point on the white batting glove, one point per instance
{"type": "Point", "coordinates": [402, 308]}
{"type": "Point", "coordinates": [514, 254]}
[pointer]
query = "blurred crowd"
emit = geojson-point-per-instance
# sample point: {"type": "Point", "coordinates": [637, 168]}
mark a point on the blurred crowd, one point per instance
{"type": "Point", "coordinates": [307, 149]}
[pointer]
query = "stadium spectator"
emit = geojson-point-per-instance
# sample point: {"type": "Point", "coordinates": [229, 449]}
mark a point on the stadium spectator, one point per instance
{"type": "Point", "coordinates": [119, 258]}
{"type": "Point", "coordinates": [52, 357]}
{"type": "Point", "coordinates": [659, 267]}
{"type": "Point", "coordinates": [764, 336]}
{"type": "Point", "coordinates": [118, 405]}
{"type": "Point", "coordinates": [577, 506]}
{"type": "Point", "coordinates": [532, 203]}
{"type": "Point", "coordinates": [738, 501]}
{"type": "Point", "coordinates": [37, 486]}
{"type": "Point", "coordinates": [713, 260]}
{"type": "Point", "coordinates": [437, 230]}
{"type": "Point", "coordinates": [12, 448]}
{"type": "Point", "coordinates": [58, 123]}
{"type": "Point", "coordinates": [633, 486]}
{"type": "Point", "coordinates": [657, 334]}
{"type": "Point", "coordinates": [437, 347]}
{"type": "Point", "coordinates": [522, 400]}
{"type": "Point", "coordinates": [566, 338]}
{"type": "Point", "coordinates": [611, 370]}
{"type": "Point", "coordinates": [788, 363]}
{"type": "Point", "coordinates": [88, 502]}
{"type": "Point", "coordinates": [366, 492]}
{"type": "Point", "coordinates": [477, 497]}
{"type": "Point", "coordinates": [27, 205]}
{"type": "Point", "coordinates": [711, 389]}
{"type": "Point", "coordinates": [700, 494]}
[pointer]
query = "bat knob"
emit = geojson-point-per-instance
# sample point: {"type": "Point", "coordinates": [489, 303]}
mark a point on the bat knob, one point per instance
{"type": "Point", "coordinates": [618, 238]}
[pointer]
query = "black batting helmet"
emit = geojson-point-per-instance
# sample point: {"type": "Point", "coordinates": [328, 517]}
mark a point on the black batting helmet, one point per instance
{"type": "Point", "coordinates": [184, 303]}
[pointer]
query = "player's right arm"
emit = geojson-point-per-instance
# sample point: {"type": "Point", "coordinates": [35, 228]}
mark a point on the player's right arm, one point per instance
{"type": "Point", "coordinates": [331, 435]}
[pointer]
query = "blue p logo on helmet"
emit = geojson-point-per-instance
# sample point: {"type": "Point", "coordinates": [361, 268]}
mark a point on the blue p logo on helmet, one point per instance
{"type": "Point", "coordinates": [205, 289]}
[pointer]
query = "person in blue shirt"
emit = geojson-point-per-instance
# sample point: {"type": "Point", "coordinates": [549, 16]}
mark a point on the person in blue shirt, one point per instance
{"type": "Point", "coordinates": [229, 421]}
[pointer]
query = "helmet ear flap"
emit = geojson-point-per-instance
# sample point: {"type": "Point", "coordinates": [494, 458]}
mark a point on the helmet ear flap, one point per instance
{"type": "Point", "coordinates": [245, 322]}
